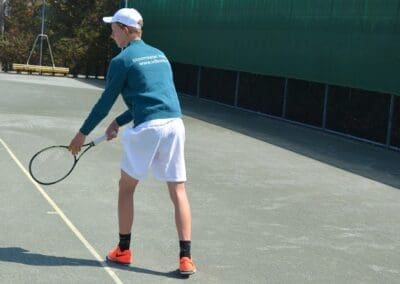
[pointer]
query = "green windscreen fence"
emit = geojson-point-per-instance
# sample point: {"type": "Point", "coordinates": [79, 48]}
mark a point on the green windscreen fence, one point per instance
{"type": "Point", "coordinates": [353, 43]}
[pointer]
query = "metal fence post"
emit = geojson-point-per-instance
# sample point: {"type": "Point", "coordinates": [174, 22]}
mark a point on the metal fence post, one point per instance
{"type": "Point", "coordinates": [198, 82]}
{"type": "Point", "coordinates": [284, 98]}
{"type": "Point", "coordinates": [390, 118]}
{"type": "Point", "coordinates": [237, 88]}
{"type": "Point", "coordinates": [325, 106]}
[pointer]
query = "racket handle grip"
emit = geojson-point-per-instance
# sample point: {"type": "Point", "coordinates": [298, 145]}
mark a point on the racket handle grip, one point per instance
{"type": "Point", "coordinates": [100, 139]}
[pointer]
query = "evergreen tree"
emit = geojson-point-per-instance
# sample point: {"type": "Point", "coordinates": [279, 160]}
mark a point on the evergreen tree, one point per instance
{"type": "Point", "coordinates": [21, 24]}
{"type": "Point", "coordinates": [78, 37]}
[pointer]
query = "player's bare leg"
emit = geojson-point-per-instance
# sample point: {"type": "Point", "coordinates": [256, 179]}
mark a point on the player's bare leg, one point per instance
{"type": "Point", "coordinates": [127, 186]}
{"type": "Point", "coordinates": [122, 253]}
{"type": "Point", "coordinates": [183, 220]}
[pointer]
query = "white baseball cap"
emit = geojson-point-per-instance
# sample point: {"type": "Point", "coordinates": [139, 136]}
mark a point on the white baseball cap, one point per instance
{"type": "Point", "coordinates": [127, 16]}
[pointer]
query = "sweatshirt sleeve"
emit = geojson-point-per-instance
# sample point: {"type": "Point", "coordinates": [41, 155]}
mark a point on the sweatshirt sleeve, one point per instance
{"type": "Point", "coordinates": [124, 118]}
{"type": "Point", "coordinates": [116, 77]}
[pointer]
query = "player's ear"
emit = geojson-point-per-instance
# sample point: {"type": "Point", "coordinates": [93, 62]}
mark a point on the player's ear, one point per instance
{"type": "Point", "coordinates": [126, 30]}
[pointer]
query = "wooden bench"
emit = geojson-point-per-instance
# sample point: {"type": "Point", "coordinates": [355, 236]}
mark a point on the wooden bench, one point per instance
{"type": "Point", "coordinates": [40, 69]}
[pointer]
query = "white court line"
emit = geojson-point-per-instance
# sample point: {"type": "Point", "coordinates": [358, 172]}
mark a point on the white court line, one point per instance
{"type": "Point", "coordinates": [64, 217]}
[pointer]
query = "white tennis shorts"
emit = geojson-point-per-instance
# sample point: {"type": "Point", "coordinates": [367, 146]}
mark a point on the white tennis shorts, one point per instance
{"type": "Point", "coordinates": [157, 145]}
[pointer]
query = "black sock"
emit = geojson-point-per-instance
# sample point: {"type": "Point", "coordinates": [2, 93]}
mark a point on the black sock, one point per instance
{"type": "Point", "coordinates": [185, 248]}
{"type": "Point", "coordinates": [124, 241]}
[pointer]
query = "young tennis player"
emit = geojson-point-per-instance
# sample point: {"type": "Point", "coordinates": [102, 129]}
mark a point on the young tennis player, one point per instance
{"type": "Point", "coordinates": [143, 76]}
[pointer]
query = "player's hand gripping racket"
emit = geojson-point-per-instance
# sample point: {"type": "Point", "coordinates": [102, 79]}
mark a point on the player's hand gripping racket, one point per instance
{"type": "Point", "coordinates": [53, 164]}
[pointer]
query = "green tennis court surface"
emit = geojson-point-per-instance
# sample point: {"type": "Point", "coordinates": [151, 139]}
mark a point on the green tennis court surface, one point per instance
{"type": "Point", "coordinates": [272, 202]}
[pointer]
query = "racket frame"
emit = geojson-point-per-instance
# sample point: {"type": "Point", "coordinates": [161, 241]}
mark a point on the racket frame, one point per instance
{"type": "Point", "coordinates": [76, 158]}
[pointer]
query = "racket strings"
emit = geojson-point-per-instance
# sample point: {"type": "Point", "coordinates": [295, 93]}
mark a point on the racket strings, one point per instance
{"type": "Point", "coordinates": [52, 164]}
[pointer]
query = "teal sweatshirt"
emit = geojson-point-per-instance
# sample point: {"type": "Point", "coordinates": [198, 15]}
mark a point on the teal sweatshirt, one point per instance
{"type": "Point", "coordinates": [143, 76]}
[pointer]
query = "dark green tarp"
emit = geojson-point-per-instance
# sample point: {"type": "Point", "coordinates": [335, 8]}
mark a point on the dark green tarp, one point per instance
{"type": "Point", "coordinates": [354, 43]}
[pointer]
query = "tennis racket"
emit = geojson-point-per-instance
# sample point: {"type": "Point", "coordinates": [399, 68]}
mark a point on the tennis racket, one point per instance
{"type": "Point", "coordinates": [53, 164]}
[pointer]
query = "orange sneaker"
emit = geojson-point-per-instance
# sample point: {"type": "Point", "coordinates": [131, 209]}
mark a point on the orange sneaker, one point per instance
{"type": "Point", "coordinates": [186, 266]}
{"type": "Point", "coordinates": [118, 256]}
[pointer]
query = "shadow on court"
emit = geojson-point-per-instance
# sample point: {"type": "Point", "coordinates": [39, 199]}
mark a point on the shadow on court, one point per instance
{"type": "Point", "coordinates": [94, 82]}
{"type": "Point", "coordinates": [172, 274]}
{"type": "Point", "coordinates": [361, 158]}
{"type": "Point", "coordinates": [23, 256]}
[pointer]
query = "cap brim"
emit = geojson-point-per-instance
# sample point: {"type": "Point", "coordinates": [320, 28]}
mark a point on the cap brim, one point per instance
{"type": "Point", "coordinates": [107, 20]}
